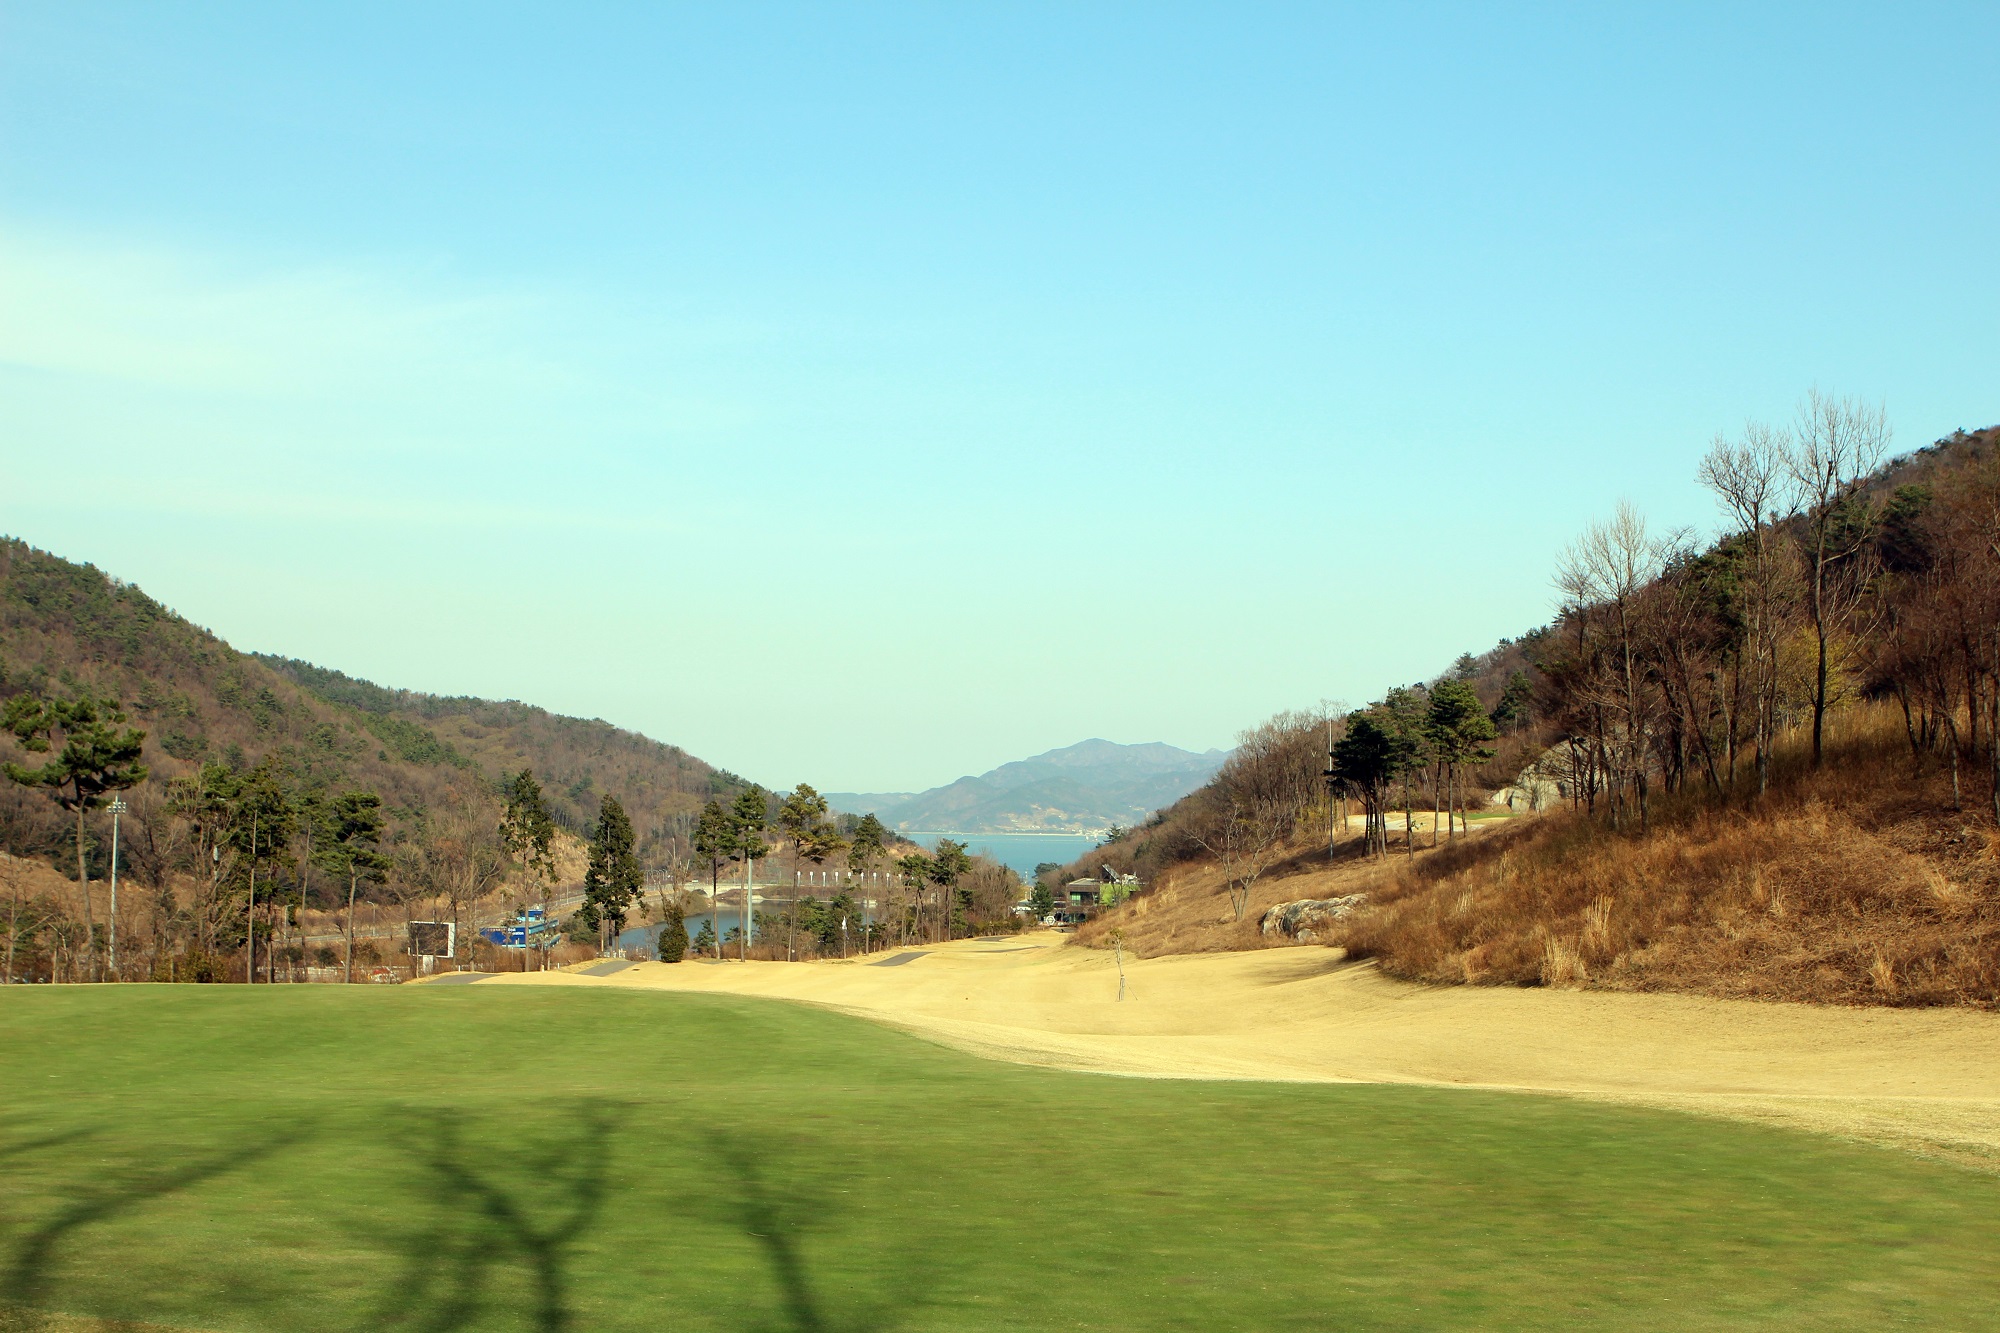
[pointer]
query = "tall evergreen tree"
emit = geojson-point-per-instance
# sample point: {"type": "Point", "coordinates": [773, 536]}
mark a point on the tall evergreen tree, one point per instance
{"type": "Point", "coordinates": [798, 815]}
{"type": "Point", "coordinates": [1365, 758]}
{"type": "Point", "coordinates": [1404, 711]}
{"type": "Point", "coordinates": [205, 801]}
{"type": "Point", "coordinates": [1458, 729]}
{"type": "Point", "coordinates": [260, 834]}
{"type": "Point", "coordinates": [612, 881]}
{"type": "Point", "coordinates": [915, 870]}
{"type": "Point", "coordinates": [865, 849]}
{"type": "Point", "coordinates": [350, 834]}
{"type": "Point", "coordinates": [1043, 900]}
{"type": "Point", "coordinates": [1516, 709]}
{"type": "Point", "coordinates": [714, 838]}
{"type": "Point", "coordinates": [528, 827]}
{"type": "Point", "coordinates": [814, 838]}
{"type": "Point", "coordinates": [948, 865]}
{"type": "Point", "coordinates": [866, 842]}
{"type": "Point", "coordinates": [528, 831]}
{"type": "Point", "coordinates": [748, 818]}
{"type": "Point", "coordinates": [89, 759]}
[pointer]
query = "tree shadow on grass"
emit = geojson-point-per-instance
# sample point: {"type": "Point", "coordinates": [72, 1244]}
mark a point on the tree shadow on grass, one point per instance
{"type": "Point", "coordinates": [41, 1143]}
{"type": "Point", "coordinates": [501, 1218]}
{"type": "Point", "coordinates": [488, 1226]}
{"type": "Point", "coordinates": [25, 1281]}
{"type": "Point", "coordinates": [778, 1218]}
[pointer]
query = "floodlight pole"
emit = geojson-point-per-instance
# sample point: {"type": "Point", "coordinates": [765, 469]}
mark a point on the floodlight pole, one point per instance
{"type": "Point", "coordinates": [117, 807]}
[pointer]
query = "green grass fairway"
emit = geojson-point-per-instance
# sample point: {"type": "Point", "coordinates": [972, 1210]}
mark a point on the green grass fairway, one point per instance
{"type": "Point", "coordinates": [487, 1157]}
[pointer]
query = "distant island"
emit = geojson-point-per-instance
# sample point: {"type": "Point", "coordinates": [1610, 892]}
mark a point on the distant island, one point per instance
{"type": "Point", "coordinates": [1084, 788]}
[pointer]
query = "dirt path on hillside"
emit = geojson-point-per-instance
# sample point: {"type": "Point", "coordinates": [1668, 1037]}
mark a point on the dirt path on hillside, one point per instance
{"type": "Point", "coordinates": [1922, 1079]}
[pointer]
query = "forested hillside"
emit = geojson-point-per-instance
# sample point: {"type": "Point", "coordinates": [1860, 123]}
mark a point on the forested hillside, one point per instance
{"type": "Point", "coordinates": [1763, 765]}
{"type": "Point", "coordinates": [577, 759]}
{"type": "Point", "coordinates": [68, 631]}
{"type": "Point", "coordinates": [69, 625]}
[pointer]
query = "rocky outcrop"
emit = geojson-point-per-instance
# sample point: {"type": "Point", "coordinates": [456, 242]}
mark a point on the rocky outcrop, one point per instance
{"type": "Point", "coordinates": [1303, 920]}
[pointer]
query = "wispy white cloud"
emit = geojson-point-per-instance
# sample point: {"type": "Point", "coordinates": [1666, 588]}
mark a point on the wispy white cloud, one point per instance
{"type": "Point", "coordinates": [120, 312]}
{"type": "Point", "coordinates": [414, 350]}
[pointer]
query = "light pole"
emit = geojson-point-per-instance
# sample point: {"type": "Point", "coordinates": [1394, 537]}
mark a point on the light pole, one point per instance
{"type": "Point", "coordinates": [117, 808]}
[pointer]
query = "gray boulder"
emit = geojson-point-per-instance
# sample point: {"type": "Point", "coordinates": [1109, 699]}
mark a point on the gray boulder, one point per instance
{"type": "Point", "coordinates": [1302, 919]}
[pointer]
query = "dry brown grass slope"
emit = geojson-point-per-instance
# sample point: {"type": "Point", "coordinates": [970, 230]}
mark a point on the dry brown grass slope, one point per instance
{"type": "Point", "coordinates": [1856, 884]}
{"type": "Point", "coordinates": [1187, 910]}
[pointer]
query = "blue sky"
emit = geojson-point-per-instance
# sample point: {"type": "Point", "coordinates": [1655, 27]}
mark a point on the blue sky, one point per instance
{"type": "Point", "coordinates": [871, 395]}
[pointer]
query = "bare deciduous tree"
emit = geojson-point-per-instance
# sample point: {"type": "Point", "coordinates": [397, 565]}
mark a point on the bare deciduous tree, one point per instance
{"type": "Point", "coordinates": [1748, 477]}
{"type": "Point", "coordinates": [1602, 576]}
{"type": "Point", "coordinates": [1270, 782]}
{"type": "Point", "coordinates": [1837, 445]}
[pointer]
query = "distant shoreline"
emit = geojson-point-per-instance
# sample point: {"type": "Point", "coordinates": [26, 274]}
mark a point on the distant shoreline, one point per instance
{"type": "Point", "coordinates": [1000, 833]}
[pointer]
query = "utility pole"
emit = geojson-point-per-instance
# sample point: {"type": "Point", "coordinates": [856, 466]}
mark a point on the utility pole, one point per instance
{"type": "Point", "coordinates": [117, 808]}
{"type": "Point", "coordinates": [250, 942]}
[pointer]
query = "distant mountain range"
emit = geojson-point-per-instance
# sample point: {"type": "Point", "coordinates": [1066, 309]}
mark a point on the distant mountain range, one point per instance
{"type": "Point", "coordinates": [1082, 788]}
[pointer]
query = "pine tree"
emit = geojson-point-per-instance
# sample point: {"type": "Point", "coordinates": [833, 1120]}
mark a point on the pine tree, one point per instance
{"type": "Point", "coordinates": [1515, 710]}
{"type": "Point", "coordinates": [673, 935]}
{"type": "Point", "coordinates": [528, 827]}
{"type": "Point", "coordinates": [528, 830]}
{"type": "Point", "coordinates": [714, 839]}
{"type": "Point", "coordinates": [1458, 729]}
{"type": "Point", "coordinates": [90, 758]}
{"type": "Point", "coordinates": [1405, 712]}
{"type": "Point", "coordinates": [612, 881]}
{"type": "Point", "coordinates": [748, 818]}
{"type": "Point", "coordinates": [351, 828]}
{"type": "Point", "coordinates": [865, 848]}
{"type": "Point", "coordinates": [814, 838]}
{"type": "Point", "coordinates": [1365, 758]}
{"type": "Point", "coordinates": [948, 863]}
{"type": "Point", "coordinates": [260, 833]}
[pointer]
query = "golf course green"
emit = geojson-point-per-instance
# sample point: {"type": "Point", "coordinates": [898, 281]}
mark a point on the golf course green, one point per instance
{"type": "Point", "coordinates": [324, 1157]}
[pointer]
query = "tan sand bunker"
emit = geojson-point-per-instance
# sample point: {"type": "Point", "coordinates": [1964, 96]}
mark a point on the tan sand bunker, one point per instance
{"type": "Point", "coordinates": [1922, 1079]}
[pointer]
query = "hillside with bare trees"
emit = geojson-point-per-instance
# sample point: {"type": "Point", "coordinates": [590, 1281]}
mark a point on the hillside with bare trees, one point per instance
{"type": "Point", "coordinates": [1762, 765]}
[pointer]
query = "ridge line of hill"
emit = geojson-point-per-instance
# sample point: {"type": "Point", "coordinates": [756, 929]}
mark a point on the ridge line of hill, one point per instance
{"type": "Point", "coordinates": [69, 625]}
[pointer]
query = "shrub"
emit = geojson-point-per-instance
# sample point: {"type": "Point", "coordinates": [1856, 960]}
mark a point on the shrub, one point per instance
{"type": "Point", "coordinates": [673, 937]}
